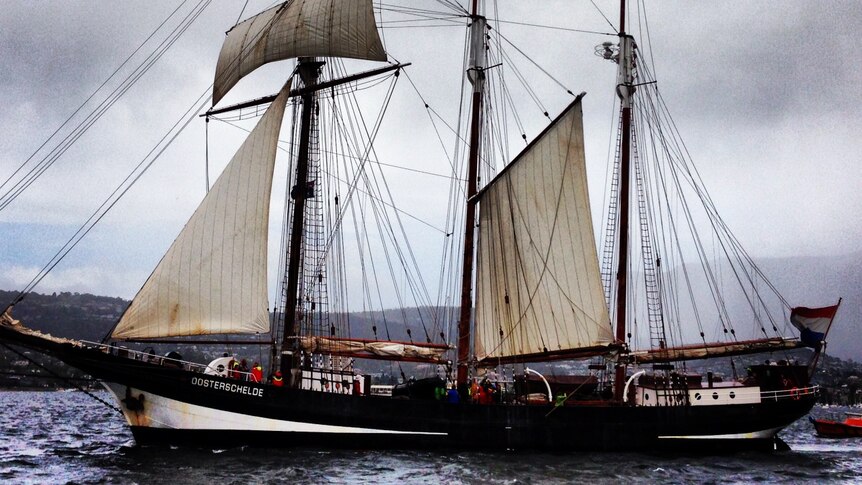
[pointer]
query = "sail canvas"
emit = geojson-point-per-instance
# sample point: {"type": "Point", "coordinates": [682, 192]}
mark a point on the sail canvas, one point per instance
{"type": "Point", "coordinates": [212, 280]}
{"type": "Point", "coordinates": [294, 29]}
{"type": "Point", "coordinates": [538, 286]}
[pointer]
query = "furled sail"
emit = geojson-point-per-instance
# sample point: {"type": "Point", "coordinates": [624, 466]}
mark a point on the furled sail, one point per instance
{"type": "Point", "coordinates": [212, 280]}
{"type": "Point", "coordinates": [379, 349]}
{"type": "Point", "coordinates": [325, 28]}
{"type": "Point", "coordinates": [711, 350]}
{"type": "Point", "coordinates": [538, 288]}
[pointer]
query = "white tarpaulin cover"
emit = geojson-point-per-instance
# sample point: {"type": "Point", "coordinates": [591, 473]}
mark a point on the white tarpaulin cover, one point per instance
{"type": "Point", "coordinates": [325, 28]}
{"type": "Point", "coordinates": [538, 284]}
{"type": "Point", "coordinates": [212, 280]}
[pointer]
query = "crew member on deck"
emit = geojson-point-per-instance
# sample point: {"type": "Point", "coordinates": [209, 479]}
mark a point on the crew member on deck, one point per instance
{"type": "Point", "coordinates": [256, 372]}
{"type": "Point", "coordinates": [234, 369]}
{"type": "Point", "coordinates": [452, 396]}
{"type": "Point", "coordinates": [243, 370]}
{"type": "Point", "coordinates": [277, 380]}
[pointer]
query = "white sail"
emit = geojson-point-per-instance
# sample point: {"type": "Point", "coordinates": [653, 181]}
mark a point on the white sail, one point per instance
{"type": "Point", "coordinates": [539, 290]}
{"type": "Point", "coordinates": [325, 28]}
{"type": "Point", "coordinates": [212, 280]}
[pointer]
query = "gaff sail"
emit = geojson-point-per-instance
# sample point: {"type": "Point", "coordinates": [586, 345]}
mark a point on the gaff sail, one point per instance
{"type": "Point", "coordinates": [539, 294]}
{"type": "Point", "coordinates": [212, 280]}
{"type": "Point", "coordinates": [324, 28]}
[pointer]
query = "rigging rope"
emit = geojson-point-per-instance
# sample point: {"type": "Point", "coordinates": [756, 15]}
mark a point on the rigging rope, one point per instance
{"type": "Point", "coordinates": [605, 17]}
{"type": "Point", "coordinates": [64, 378]}
{"type": "Point", "coordinates": [16, 189]}
{"type": "Point", "coordinates": [238, 17]}
{"type": "Point", "coordinates": [121, 190]}
{"type": "Point", "coordinates": [552, 27]}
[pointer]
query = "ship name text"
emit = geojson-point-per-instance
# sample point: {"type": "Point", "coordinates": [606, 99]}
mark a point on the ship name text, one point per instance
{"type": "Point", "coordinates": [227, 386]}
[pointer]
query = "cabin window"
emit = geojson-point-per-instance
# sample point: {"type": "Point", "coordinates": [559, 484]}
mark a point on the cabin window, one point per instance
{"type": "Point", "coordinates": [715, 395]}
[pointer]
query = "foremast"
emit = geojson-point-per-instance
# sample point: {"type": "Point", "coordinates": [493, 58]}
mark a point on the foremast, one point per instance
{"type": "Point", "coordinates": [309, 70]}
{"type": "Point", "coordinates": [625, 91]}
{"type": "Point", "coordinates": [476, 75]}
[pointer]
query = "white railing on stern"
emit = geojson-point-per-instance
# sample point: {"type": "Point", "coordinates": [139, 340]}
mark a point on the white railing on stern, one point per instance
{"type": "Point", "coordinates": [794, 393]}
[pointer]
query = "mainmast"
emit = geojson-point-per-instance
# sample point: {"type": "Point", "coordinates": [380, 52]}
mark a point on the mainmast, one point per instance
{"type": "Point", "coordinates": [625, 91]}
{"type": "Point", "coordinates": [476, 75]}
{"type": "Point", "coordinates": [309, 69]}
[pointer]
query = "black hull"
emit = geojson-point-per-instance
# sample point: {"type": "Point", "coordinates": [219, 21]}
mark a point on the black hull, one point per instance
{"type": "Point", "coordinates": [309, 418]}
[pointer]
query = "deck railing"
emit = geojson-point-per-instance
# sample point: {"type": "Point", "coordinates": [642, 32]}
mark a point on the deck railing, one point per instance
{"type": "Point", "coordinates": [146, 356]}
{"type": "Point", "coordinates": [794, 393]}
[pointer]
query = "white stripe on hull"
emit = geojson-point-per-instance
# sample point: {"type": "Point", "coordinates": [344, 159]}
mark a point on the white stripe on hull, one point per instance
{"type": "Point", "coordinates": [162, 412]}
{"type": "Point", "coordinates": [754, 435]}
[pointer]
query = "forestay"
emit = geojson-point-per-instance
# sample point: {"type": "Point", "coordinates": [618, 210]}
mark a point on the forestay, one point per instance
{"type": "Point", "coordinates": [539, 293]}
{"type": "Point", "coordinates": [325, 28]}
{"type": "Point", "coordinates": [212, 280]}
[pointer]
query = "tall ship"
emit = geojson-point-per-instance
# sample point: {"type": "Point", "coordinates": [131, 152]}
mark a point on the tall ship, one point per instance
{"type": "Point", "coordinates": [547, 336]}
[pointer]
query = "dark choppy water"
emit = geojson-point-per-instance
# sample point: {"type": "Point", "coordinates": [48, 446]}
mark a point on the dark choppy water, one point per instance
{"type": "Point", "coordinates": [66, 437]}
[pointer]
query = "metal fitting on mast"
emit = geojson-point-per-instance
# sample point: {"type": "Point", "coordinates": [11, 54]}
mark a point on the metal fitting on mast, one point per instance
{"type": "Point", "coordinates": [476, 68]}
{"type": "Point", "coordinates": [626, 70]}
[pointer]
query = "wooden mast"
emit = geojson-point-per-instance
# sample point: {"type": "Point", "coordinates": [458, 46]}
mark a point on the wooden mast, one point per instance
{"type": "Point", "coordinates": [309, 69]}
{"type": "Point", "coordinates": [476, 75]}
{"type": "Point", "coordinates": [624, 90]}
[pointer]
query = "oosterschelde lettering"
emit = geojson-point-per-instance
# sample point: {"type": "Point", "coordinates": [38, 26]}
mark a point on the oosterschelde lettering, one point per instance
{"type": "Point", "coordinates": [227, 386]}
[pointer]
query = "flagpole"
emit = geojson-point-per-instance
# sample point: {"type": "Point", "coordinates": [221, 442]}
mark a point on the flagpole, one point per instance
{"type": "Point", "coordinates": [813, 366]}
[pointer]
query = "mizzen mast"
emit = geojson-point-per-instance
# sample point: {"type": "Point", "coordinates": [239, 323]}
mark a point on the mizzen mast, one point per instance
{"type": "Point", "coordinates": [476, 75]}
{"type": "Point", "coordinates": [625, 90]}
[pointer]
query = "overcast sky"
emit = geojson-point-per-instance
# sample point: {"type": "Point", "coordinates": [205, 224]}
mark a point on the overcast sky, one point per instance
{"type": "Point", "coordinates": [765, 95]}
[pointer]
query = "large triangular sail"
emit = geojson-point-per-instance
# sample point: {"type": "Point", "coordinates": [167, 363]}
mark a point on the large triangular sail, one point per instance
{"type": "Point", "coordinates": [212, 280]}
{"type": "Point", "coordinates": [312, 28]}
{"type": "Point", "coordinates": [539, 293]}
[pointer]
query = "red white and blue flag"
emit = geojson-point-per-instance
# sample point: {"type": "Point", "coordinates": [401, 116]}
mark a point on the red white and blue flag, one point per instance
{"type": "Point", "coordinates": [813, 323]}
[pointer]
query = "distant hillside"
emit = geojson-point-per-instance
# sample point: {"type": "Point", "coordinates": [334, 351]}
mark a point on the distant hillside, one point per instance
{"type": "Point", "coordinates": [804, 281]}
{"type": "Point", "coordinates": [77, 315]}
{"type": "Point", "coordinates": [90, 317]}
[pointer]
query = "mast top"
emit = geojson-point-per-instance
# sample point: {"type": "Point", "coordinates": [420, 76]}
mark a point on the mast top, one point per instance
{"type": "Point", "coordinates": [622, 17]}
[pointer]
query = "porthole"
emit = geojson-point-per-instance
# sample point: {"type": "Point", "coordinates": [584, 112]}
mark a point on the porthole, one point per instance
{"type": "Point", "coordinates": [715, 395]}
{"type": "Point", "coordinates": [732, 395]}
{"type": "Point", "coordinates": [646, 397]}
{"type": "Point", "coordinates": [697, 396]}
